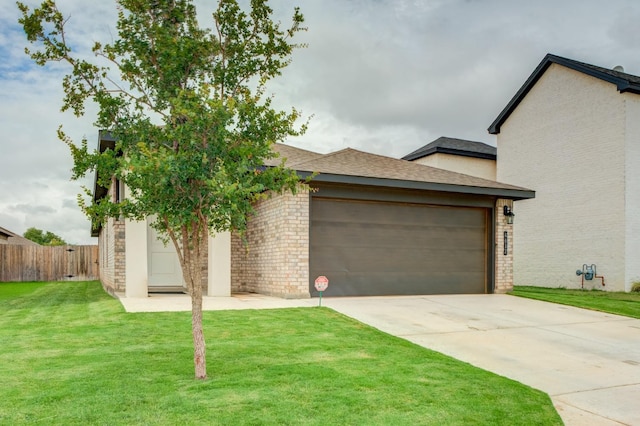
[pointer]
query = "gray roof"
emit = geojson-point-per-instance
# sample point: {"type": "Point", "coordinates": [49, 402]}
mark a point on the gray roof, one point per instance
{"type": "Point", "coordinates": [624, 83]}
{"type": "Point", "coordinates": [363, 168]}
{"type": "Point", "coordinates": [453, 146]}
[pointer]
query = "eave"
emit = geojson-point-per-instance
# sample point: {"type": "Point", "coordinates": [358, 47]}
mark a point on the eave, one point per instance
{"type": "Point", "coordinates": [450, 151]}
{"type": "Point", "coordinates": [511, 194]}
{"type": "Point", "coordinates": [623, 84]}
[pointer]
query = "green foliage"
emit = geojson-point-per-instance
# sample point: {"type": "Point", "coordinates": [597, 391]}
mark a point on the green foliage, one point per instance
{"type": "Point", "coordinates": [635, 287]}
{"type": "Point", "coordinates": [185, 105]}
{"type": "Point", "coordinates": [70, 355]}
{"type": "Point", "coordinates": [187, 109]}
{"type": "Point", "coordinates": [43, 238]}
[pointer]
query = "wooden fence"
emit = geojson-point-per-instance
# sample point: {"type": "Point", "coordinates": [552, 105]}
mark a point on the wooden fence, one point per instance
{"type": "Point", "coordinates": [40, 263]}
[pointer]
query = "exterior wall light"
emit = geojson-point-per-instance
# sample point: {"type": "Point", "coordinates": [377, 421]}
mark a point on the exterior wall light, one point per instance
{"type": "Point", "coordinates": [508, 214]}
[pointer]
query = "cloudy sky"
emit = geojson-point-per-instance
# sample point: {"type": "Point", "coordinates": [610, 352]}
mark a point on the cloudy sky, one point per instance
{"type": "Point", "coordinates": [385, 76]}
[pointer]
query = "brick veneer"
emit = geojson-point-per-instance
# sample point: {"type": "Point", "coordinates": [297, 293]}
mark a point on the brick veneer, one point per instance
{"type": "Point", "coordinates": [275, 259]}
{"type": "Point", "coordinates": [112, 260]}
{"type": "Point", "coordinates": [503, 263]}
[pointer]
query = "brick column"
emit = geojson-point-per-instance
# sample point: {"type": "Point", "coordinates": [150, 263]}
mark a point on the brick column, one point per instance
{"type": "Point", "coordinates": [112, 261]}
{"type": "Point", "coordinates": [503, 262]}
{"type": "Point", "coordinates": [119, 262]}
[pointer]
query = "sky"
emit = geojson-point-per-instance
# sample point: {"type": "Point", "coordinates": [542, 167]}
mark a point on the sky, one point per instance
{"type": "Point", "coordinates": [383, 76]}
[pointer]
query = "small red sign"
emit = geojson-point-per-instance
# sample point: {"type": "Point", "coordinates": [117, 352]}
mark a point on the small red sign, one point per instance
{"type": "Point", "coordinates": [321, 283]}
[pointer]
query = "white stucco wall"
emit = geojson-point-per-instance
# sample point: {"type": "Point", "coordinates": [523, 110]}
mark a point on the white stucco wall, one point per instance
{"type": "Point", "coordinates": [566, 141]}
{"type": "Point", "coordinates": [478, 167]}
{"type": "Point", "coordinates": [632, 190]}
{"type": "Point", "coordinates": [136, 274]}
{"type": "Point", "coordinates": [219, 265]}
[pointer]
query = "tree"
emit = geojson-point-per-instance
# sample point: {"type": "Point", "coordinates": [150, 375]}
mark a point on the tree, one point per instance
{"type": "Point", "coordinates": [43, 238]}
{"type": "Point", "coordinates": [187, 109]}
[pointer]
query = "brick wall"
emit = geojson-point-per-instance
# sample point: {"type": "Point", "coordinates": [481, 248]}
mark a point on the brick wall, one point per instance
{"type": "Point", "coordinates": [275, 259]}
{"type": "Point", "coordinates": [503, 263]}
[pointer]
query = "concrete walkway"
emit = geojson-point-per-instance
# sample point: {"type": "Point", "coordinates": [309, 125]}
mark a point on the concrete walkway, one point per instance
{"type": "Point", "coordinates": [588, 362]}
{"type": "Point", "coordinates": [182, 302]}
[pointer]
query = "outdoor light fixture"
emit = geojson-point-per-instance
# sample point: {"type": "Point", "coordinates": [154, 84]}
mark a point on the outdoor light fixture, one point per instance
{"type": "Point", "coordinates": [508, 214]}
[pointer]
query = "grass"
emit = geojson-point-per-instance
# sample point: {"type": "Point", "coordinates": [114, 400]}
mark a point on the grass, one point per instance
{"type": "Point", "coordinates": [70, 355]}
{"type": "Point", "coordinates": [619, 303]}
{"type": "Point", "coordinates": [12, 290]}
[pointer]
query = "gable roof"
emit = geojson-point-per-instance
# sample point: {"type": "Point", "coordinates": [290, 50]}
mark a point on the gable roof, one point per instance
{"type": "Point", "coordinates": [362, 168]}
{"type": "Point", "coordinates": [8, 237]}
{"type": "Point", "coordinates": [624, 83]}
{"type": "Point", "coordinates": [453, 146]}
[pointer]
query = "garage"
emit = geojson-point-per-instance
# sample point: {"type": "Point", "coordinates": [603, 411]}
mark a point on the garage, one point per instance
{"type": "Point", "coordinates": [377, 226]}
{"type": "Point", "coordinates": [375, 248]}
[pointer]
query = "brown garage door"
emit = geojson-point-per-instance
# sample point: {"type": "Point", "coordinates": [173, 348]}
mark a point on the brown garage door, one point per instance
{"type": "Point", "coordinates": [381, 248]}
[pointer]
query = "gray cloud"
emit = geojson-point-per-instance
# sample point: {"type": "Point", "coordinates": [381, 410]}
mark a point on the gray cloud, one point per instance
{"type": "Point", "coordinates": [31, 209]}
{"type": "Point", "coordinates": [385, 76]}
{"type": "Point", "coordinates": [624, 29]}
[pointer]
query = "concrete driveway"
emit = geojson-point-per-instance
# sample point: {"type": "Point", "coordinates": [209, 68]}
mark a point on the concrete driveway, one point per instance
{"type": "Point", "coordinates": [588, 362]}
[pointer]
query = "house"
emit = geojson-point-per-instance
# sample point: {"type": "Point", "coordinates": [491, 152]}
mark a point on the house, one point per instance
{"type": "Point", "coordinates": [572, 132]}
{"type": "Point", "coordinates": [374, 225]}
{"type": "Point", "coordinates": [458, 155]}
{"type": "Point", "coordinates": [134, 261]}
{"type": "Point", "coordinates": [8, 237]}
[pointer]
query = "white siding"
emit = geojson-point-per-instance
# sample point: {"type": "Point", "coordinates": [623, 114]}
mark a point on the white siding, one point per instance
{"type": "Point", "coordinates": [566, 141]}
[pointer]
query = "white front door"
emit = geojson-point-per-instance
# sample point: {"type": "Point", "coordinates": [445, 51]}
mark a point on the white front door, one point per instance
{"type": "Point", "coordinates": [164, 266]}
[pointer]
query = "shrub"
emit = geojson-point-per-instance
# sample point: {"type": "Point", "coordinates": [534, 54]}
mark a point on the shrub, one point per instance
{"type": "Point", "coordinates": [635, 286]}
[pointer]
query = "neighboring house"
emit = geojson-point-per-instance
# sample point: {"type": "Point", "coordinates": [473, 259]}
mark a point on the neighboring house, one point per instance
{"type": "Point", "coordinates": [572, 132]}
{"type": "Point", "coordinates": [373, 225]}
{"type": "Point", "coordinates": [458, 155]}
{"type": "Point", "coordinates": [8, 237]}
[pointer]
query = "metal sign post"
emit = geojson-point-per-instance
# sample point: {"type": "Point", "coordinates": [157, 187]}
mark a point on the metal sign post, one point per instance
{"type": "Point", "coordinates": [321, 285]}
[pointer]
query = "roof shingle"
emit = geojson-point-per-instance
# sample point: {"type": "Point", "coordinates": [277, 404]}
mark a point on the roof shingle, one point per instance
{"type": "Point", "coordinates": [454, 146]}
{"type": "Point", "coordinates": [14, 239]}
{"type": "Point", "coordinates": [379, 170]}
{"type": "Point", "coordinates": [290, 154]}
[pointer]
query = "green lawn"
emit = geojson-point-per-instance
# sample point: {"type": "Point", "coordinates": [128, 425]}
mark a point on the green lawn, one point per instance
{"type": "Point", "coordinates": [70, 355]}
{"type": "Point", "coordinates": [12, 290]}
{"type": "Point", "coordinates": [620, 303]}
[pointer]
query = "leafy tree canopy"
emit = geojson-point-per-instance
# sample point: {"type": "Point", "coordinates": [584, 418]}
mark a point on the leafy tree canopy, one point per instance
{"type": "Point", "coordinates": [186, 106]}
{"type": "Point", "coordinates": [43, 238]}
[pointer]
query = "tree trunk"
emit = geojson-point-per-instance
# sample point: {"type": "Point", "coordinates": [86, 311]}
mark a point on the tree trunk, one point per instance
{"type": "Point", "coordinates": [195, 267]}
{"type": "Point", "coordinates": [191, 252]}
{"type": "Point", "coordinates": [199, 347]}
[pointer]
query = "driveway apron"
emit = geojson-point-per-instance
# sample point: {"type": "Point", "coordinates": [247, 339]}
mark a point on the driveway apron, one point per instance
{"type": "Point", "coordinates": [587, 361]}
